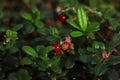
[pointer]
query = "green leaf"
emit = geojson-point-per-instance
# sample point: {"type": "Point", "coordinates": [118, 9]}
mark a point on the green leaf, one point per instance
{"type": "Point", "coordinates": [102, 45]}
{"type": "Point", "coordinates": [11, 34]}
{"type": "Point", "coordinates": [82, 18]}
{"type": "Point", "coordinates": [93, 27]}
{"type": "Point", "coordinates": [26, 16]}
{"type": "Point", "coordinates": [113, 60]}
{"type": "Point", "coordinates": [29, 27]}
{"type": "Point", "coordinates": [55, 61]}
{"type": "Point", "coordinates": [73, 24]}
{"type": "Point", "coordinates": [115, 40]}
{"type": "Point", "coordinates": [18, 27]}
{"type": "Point", "coordinates": [22, 74]}
{"type": "Point", "coordinates": [47, 50]}
{"type": "Point", "coordinates": [69, 63]}
{"type": "Point", "coordinates": [39, 24]}
{"type": "Point", "coordinates": [76, 33]}
{"type": "Point", "coordinates": [85, 58]}
{"type": "Point", "coordinates": [30, 51]}
{"type": "Point", "coordinates": [93, 3]}
{"type": "Point", "coordinates": [57, 69]}
{"type": "Point", "coordinates": [26, 60]}
{"type": "Point", "coordinates": [43, 31]}
{"type": "Point", "coordinates": [95, 44]}
{"type": "Point", "coordinates": [43, 65]}
{"type": "Point", "coordinates": [91, 35]}
{"type": "Point", "coordinates": [53, 31]}
{"type": "Point", "coordinates": [100, 70]}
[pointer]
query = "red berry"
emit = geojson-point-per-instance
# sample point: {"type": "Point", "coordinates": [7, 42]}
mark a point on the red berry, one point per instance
{"type": "Point", "coordinates": [62, 17]}
{"type": "Point", "coordinates": [56, 48]}
{"type": "Point", "coordinates": [66, 45]}
{"type": "Point", "coordinates": [110, 33]}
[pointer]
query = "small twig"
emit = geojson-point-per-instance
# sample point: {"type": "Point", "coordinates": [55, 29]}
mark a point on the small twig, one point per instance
{"type": "Point", "coordinates": [101, 36]}
{"type": "Point", "coordinates": [92, 10]}
{"type": "Point", "coordinates": [26, 6]}
{"type": "Point", "coordinates": [115, 50]}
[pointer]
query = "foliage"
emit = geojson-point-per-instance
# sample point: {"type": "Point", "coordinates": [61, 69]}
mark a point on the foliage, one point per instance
{"type": "Point", "coordinates": [87, 42]}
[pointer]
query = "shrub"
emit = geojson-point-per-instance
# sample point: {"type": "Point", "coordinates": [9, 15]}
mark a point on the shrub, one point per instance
{"type": "Point", "coordinates": [59, 40]}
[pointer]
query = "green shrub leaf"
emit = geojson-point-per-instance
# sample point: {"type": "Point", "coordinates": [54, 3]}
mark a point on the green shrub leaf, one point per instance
{"type": "Point", "coordinates": [11, 34]}
{"type": "Point", "coordinates": [26, 16]}
{"type": "Point", "coordinates": [26, 60]}
{"type": "Point", "coordinates": [73, 24]}
{"type": "Point", "coordinates": [18, 27]}
{"type": "Point", "coordinates": [76, 33]}
{"type": "Point", "coordinates": [91, 35]}
{"type": "Point", "coordinates": [82, 18]}
{"type": "Point", "coordinates": [100, 70]}
{"type": "Point", "coordinates": [30, 51]}
{"type": "Point", "coordinates": [93, 27]}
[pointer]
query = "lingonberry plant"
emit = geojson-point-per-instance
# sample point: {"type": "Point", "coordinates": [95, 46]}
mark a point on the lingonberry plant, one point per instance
{"type": "Point", "coordinates": [59, 40]}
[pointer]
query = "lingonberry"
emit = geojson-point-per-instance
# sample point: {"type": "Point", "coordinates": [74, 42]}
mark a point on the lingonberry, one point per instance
{"type": "Point", "coordinates": [56, 48]}
{"type": "Point", "coordinates": [66, 45]}
{"type": "Point", "coordinates": [62, 17]}
{"type": "Point", "coordinates": [106, 55]}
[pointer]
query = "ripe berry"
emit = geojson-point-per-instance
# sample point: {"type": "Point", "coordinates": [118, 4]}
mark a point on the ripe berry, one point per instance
{"type": "Point", "coordinates": [56, 48]}
{"type": "Point", "coordinates": [66, 45]}
{"type": "Point", "coordinates": [62, 17]}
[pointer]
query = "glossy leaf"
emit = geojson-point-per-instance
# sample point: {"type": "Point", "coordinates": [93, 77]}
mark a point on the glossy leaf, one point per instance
{"type": "Point", "coordinates": [48, 49]}
{"type": "Point", "coordinates": [102, 45]}
{"type": "Point", "coordinates": [26, 16]}
{"type": "Point", "coordinates": [26, 60]}
{"type": "Point", "coordinates": [29, 27]}
{"type": "Point", "coordinates": [39, 24]}
{"type": "Point", "coordinates": [76, 33]}
{"type": "Point", "coordinates": [100, 69]}
{"type": "Point", "coordinates": [82, 18]}
{"type": "Point", "coordinates": [45, 51]}
{"type": "Point", "coordinates": [43, 65]}
{"type": "Point", "coordinates": [73, 24]}
{"type": "Point", "coordinates": [91, 35]}
{"type": "Point", "coordinates": [11, 34]}
{"type": "Point", "coordinates": [30, 51]}
{"type": "Point", "coordinates": [96, 44]}
{"type": "Point", "coordinates": [93, 27]}
{"type": "Point", "coordinates": [18, 27]}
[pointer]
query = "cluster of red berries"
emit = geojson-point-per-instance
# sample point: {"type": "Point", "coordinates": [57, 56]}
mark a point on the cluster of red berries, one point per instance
{"type": "Point", "coordinates": [64, 46]}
